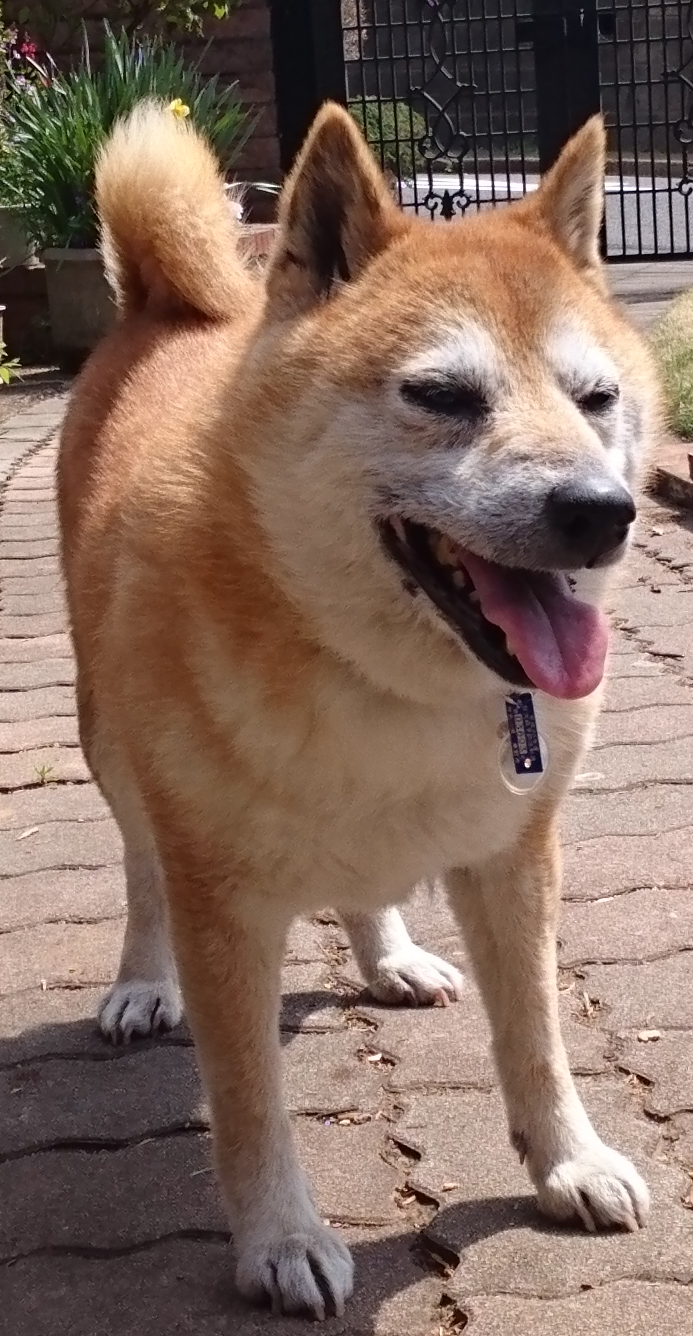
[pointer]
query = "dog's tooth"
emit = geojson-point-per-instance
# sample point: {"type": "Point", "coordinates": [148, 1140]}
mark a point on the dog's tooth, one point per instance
{"type": "Point", "coordinates": [444, 552]}
{"type": "Point", "coordinates": [474, 598]}
{"type": "Point", "coordinates": [398, 527]}
{"type": "Point", "coordinates": [459, 579]}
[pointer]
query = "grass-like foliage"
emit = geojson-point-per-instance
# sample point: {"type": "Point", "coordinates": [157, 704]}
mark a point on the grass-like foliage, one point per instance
{"type": "Point", "coordinates": [672, 341]}
{"type": "Point", "coordinates": [56, 123]}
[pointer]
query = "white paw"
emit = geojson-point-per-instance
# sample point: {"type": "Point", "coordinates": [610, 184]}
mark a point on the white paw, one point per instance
{"type": "Point", "coordinates": [600, 1186]}
{"type": "Point", "coordinates": [139, 1007]}
{"type": "Point", "coordinates": [298, 1272]}
{"type": "Point", "coordinates": [413, 977]}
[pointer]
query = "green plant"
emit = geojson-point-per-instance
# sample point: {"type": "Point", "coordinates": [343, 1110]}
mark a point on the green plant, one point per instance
{"type": "Point", "coordinates": [672, 342]}
{"type": "Point", "coordinates": [393, 130]}
{"type": "Point", "coordinates": [55, 126]}
{"type": "Point", "coordinates": [48, 20]}
{"type": "Point", "coordinates": [9, 366]}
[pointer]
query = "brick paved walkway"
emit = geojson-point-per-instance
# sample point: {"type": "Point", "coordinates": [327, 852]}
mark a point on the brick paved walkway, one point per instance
{"type": "Point", "coordinates": [109, 1219]}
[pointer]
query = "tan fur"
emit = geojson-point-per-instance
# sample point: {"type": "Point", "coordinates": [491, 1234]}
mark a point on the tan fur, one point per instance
{"type": "Point", "coordinates": [274, 723]}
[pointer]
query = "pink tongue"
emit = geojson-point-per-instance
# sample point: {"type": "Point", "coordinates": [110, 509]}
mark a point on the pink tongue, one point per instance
{"type": "Point", "coordinates": [560, 641]}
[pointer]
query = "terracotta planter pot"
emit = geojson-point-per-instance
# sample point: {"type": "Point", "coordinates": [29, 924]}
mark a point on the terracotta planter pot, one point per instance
{"type": "Point", "coordinates": [80, 303]}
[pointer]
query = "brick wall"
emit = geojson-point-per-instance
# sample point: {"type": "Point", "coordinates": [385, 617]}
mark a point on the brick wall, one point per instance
{"type": "Point", "coordinates": [241, 50]}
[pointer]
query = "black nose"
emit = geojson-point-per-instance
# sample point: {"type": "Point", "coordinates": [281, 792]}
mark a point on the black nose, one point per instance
{"type": "Point", "coordinates": [590, 519]}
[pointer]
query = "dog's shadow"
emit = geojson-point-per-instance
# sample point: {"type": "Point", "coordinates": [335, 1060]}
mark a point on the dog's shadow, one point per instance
{"type": "Point", "coordinates": [110, 1196]}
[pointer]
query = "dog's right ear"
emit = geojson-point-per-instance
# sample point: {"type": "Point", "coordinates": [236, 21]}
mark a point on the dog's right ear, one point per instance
{"type": "Point", "coordinates": [336, 214]}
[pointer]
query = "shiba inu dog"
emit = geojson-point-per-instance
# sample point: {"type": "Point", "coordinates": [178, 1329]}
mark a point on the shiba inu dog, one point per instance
{"type": "Point", "coordinates": [318, 526]}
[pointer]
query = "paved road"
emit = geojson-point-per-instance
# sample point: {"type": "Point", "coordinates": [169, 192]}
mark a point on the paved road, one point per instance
{"type": "Point", "coordinates": [109, 1217]}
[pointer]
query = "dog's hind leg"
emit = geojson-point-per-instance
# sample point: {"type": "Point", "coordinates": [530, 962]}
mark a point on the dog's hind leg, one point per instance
{"type": "Point", "coordinates": [144, 998]}
{"type": "Point", "coordinates": [395, 969]}
{"type": "Point", "coordinates": [508, 912]}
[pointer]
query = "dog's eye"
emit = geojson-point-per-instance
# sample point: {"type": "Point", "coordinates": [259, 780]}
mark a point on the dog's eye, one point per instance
{"type": "Point", "coordinates": [447, 398]}
{"type": "Point", "coordinates": [598, 399]}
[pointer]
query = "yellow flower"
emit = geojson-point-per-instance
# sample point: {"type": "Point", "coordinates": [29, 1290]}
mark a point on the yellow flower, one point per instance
{"type": "Point", "coordinates": [179, 108]}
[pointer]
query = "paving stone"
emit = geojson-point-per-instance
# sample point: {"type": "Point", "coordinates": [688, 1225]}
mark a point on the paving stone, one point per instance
{"type": "Point", "coordinates": [24, 486]}
{"type": "Point", "coordinates": [668, 1063]}
{"type": "Point", "coordinates": [61, 895]}
{"type": "Point", "coordinates": [60, 1021]}
{"type": "Point", "coordinates": [639, 926]}
{"type": "Point", "coordinates": [670, 642]}
{"type": "Point", "coordinates": [24, 769]}
{"type": "Point", "coordinates": [108, 1199]}
{"type": "Point", "coordinates": [626, 1308]}
{"type": "Point", "coordinates": [27, 627]}
{"type": "Point", "coordinates": [36, 648]}
{"type": "Point", "coordinates": [309, 1003]}
{"type": "Point", "coordinates": [36, 704]}
{"type": "Point", "coordinates": [644, 610]}
{"type": "Point", "coordinates": [661, 809]}
{"type": "Point", "coordinates": [184, 1286]}
{"type": "Point", "coordinates": [624, 696]}
{"type": "Point", "coordinates": [610, 866]}
{"type": "Point", "coordinates": [25, 585]}
{"type": "Point", "coordinates": [490, 1222]}
{"type": "Point", "coordinates": [60, 954]}
{"type": "Point", "coordinates": [36, 733]}
{"type": "Point", "coordinates": [308, 942]}
{"type": "Point", "coordinates": [25, 566]}
{"type": "Point", "coordinates": [657, 994]}
{"type": "Point", "coordinates": [38, 1023]}
{"type": "Point", "coordinates": [60, 844]}
{"type": "Point", "coordinates": [39, 673]}
{"type": "Point", "coordinates": [52, 802]}
{"type": "Point", "coordinates": [659, 723]}
{"type": "Point", "coordinates": [615, 767]}
{"type": "Point", "coordinates": [633, 666]}
{"type": "Point", "coordinates": [145, 1093]}
{"type": "Point", "coordinates": [164, 1184]}
{"type": "Point", "coordinates": [32, 604]}
{"type": "Point", "coordinates": [448, 1048]}
{"type": "Point", "coordinates": [39, 548]}
{"type": "Point", "coordinates": [26, 517]}
{"type": "Point", "coordinates": [325, 1077]}
{"type": "Point", "coordinates": [25, 533]}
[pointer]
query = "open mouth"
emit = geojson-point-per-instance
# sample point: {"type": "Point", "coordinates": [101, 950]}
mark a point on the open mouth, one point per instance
{"type": "Point", "coordinates": [528, 627]}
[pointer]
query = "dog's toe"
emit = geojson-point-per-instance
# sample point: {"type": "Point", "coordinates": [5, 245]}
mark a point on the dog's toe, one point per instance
{"type": "Point", "coordinates": [414, 977]}
{"type": "Point", "coordinates": [307, 1272]}
{"type": "Point", "coordinates": [140, 1007]}
{"type": "Point", "coordinates": [600, 1187]}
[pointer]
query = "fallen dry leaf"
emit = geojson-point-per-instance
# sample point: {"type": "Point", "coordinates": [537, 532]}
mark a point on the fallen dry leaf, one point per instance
{"type": "Point", "coordinates": [33, 830]}
{"type": "Point", "coordinates": [649, 1036]}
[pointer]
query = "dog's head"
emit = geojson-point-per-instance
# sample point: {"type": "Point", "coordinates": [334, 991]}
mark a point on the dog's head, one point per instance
{"type": "Point", "coordinates": [453, 415]}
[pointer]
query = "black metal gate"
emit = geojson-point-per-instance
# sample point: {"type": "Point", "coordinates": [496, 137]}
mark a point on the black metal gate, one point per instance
{"type": "Point", "coordinates": [466, 101]}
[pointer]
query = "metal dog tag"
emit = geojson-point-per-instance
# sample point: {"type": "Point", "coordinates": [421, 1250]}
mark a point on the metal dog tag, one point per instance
{"type": "Point", "coordinates": [523, 756]}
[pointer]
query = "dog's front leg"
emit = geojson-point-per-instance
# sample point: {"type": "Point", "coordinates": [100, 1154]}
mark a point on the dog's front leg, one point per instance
{"type": "Point", "coordinates": [229, 946]}
{"type": "Point", "coordinates": [508, 914]}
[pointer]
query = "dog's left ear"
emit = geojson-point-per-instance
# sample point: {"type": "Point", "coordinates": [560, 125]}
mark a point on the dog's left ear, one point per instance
{"type": "Point", "coordinates": [570, 198]}
{"type": "Point", "coordinates": [336, 214]}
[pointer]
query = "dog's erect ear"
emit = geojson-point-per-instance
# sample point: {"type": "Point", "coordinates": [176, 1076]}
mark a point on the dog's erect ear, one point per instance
{"type": "Point", "coordinates": [336, 214]}
{"type": "Point", "coordinates": [570, 199]}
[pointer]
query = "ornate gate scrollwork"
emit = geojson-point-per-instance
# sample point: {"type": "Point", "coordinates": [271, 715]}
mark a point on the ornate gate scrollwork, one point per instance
{"type": "Point", "coordinates": [444, 139]}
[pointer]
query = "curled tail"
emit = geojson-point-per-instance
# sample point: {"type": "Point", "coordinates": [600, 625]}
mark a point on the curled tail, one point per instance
{"type": "Point", "coordinates": [169, 238]}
